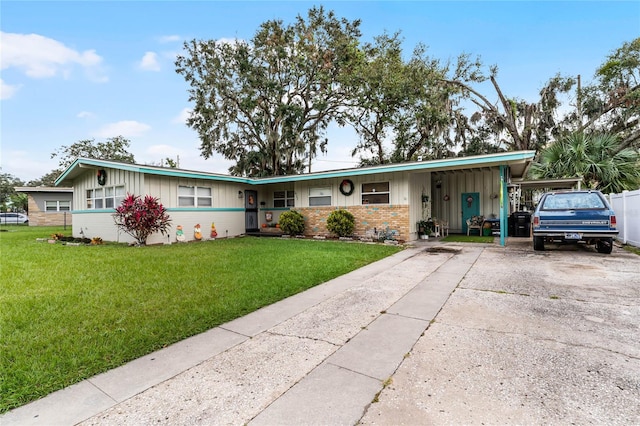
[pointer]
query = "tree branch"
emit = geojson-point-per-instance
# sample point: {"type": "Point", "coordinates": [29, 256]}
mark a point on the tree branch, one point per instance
{"type": "Point", "coordinates": [629, 141]}
{"type": "Point", "coordinates": [611, 107]}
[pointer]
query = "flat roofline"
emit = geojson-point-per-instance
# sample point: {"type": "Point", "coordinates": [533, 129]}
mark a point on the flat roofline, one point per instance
{"type": "Point", "coordinates": [42, 189]}
{"type": "Point", "coordinates": [548, 183]}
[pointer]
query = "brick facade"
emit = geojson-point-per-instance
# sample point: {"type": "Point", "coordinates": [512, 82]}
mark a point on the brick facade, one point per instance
{"type": "Point", "coordinates": [369, 218]}
{"type": "Point", "coordinates": [40, 218]}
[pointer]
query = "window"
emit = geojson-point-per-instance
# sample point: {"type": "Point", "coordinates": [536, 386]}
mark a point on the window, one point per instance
{"type": "Point", "coordinates": [283, 199]}
{"type": "Point", "coordinates": [108, 197]}
{"type": "Point", "coordinates": [57, 206]}
{"type": "Point", "coordinates": [194, 196]}
{"type": "Point", "coordinates": [375, 193]}
{"type": "Point", "coordinates": [320, 196]}
{"type": "Point", "coordinates": [573, 201]}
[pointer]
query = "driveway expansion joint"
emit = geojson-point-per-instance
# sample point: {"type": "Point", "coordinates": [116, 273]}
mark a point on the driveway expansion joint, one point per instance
{"type": "Point", "coordinates": [102, 391]}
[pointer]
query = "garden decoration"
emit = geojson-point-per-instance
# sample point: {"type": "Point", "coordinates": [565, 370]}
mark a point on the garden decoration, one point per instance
{"type": "Point", "coordinates": [214, 233]}
{"type": "Point", "coordinates": [180, 234]}
{"type": "Point", "coordinates": [346, 187]}
{"type": "Point", "coordinates": [197, 232]}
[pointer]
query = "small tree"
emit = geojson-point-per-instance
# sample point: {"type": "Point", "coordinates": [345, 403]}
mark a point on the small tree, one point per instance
{"type": "Point", "coordinates": [292, 222]}
{"type": "Point", "coordinates": [341, 222]}
{"type": "Point", "coordinates": [141, 217]}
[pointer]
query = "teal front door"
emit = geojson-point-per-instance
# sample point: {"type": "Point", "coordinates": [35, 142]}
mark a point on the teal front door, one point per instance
{"type": "Point", "coordinates": [470, 207]}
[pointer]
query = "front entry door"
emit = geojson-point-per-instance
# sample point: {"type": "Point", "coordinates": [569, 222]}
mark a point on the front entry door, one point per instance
{"type": "Point", "coordinates": [251, 211]}
{"type": "Point", "coordinates": [470, 207]}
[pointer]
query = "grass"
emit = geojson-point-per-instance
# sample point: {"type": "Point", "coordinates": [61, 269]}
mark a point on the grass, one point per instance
{"type": "Point", "coordinates": [454, 238]}
{"type": "Point", "coordinates": [631, 249]}
{"type": "Point", "coordinates": [70, 312]}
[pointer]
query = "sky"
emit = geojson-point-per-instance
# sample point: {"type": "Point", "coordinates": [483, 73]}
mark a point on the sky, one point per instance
{"type": "Point", "coordinates": [78, 70]}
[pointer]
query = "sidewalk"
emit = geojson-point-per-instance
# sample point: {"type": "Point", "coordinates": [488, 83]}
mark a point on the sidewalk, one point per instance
{"type": "Point", "coordinates": [329, 350]}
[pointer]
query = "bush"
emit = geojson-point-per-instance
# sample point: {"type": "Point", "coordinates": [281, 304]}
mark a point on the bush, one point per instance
{"type": "Point", "coordinates": [292, 222]}
{"type": "Point", "coordinates": [140, 217]}
{"type": "Point", "coordinates": [341, 223]}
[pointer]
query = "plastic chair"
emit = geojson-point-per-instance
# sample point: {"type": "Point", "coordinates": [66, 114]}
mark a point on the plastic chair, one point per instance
{"type": "Point", "coordinates": [471, 226]}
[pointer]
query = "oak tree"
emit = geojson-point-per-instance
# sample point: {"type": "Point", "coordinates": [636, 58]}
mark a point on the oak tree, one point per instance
{"type": "Point", "coordinates": [612, 103]}
{"type": "Point", "coordinates": [115, 149]}
{"type": "Point", "coordinates": [266, 103]}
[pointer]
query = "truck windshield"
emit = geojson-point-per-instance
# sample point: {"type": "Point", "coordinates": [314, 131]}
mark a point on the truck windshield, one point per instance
{"type": "Point", "coordinates": [573, 201]}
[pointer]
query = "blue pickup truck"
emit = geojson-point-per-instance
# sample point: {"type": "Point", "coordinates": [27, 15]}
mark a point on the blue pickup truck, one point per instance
{"type": "Point", "coordinates": [573, 217]}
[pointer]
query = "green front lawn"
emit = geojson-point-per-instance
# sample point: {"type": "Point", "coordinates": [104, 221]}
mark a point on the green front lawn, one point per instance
{"type": "Point", "coordinates": [70, 312]}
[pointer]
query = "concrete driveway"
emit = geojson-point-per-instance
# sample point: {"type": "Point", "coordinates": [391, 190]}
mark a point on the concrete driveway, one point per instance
{"type": "Point", "coordinates": [527, 337]}
{"type": "Point", "coordinates": [440, 333]}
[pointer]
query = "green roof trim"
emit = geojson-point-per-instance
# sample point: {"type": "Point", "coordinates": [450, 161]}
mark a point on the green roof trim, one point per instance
{"type": "Point", "coordinates": [504, 158]}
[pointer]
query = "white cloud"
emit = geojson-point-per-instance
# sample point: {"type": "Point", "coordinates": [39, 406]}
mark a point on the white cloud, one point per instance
{"type": "Point", "coordinates": [162, 151]}
{"type": "Point", "coordinates": [27, 165]}
{"type": "Point", "coordinates": [126, 128]}
{"type": "Point", "coordinates": [149, 62]}
{"type": "Point", "coordinates": [182, 117]}
{"type": "Point", "coordinates": [6, 90]}
{"type": "Point", "coordinates": [169, 39]}
{"type": "Point", "coordinates": [84, 114]}
{"type": "Point", "coordinates": [43, 57]}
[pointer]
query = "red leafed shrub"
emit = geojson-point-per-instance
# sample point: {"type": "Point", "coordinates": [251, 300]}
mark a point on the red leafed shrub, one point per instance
{"type": "Point", "coordinates": [140, 217]}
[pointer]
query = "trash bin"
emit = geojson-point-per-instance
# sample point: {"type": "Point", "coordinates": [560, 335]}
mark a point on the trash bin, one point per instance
{"type": "Point", "coordinates": [522, 224]}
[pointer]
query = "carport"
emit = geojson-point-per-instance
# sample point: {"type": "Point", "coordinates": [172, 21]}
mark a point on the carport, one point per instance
{"type": "Point", "coordinates": [523, 201]}
{"type": "Point", "coordinates": [459, 191]}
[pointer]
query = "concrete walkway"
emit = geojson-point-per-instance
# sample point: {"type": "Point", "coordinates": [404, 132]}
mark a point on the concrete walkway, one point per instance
{"type": "Point", "coordinates": [526, 337]}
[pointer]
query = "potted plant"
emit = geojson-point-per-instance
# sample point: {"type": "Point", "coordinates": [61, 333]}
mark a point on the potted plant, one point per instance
{"type": "Point", "coordinates": [425, 228]}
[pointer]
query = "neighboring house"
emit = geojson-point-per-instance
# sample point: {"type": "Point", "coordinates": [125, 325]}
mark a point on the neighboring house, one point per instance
{"type": "Point", "coordinates": [392, 197]}
{"type": "Point", "coordinates": [48, 206]}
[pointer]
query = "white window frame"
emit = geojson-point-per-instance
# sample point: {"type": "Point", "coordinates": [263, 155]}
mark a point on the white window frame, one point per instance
{"type": "Point", "coordinates": [195, 196]}
{"type": "Point", "coordinates": [372, 192]}
{"type": "Point", "coordinates": [284, 198]}
{"type": "Point", "coordinates": [57, 206]}
{"type": "Point", "coordinates": [320, 196]}
{"type": "Point", "coordinates": [105, 197]}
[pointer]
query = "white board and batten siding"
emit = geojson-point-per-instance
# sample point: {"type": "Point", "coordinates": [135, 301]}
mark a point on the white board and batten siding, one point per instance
{"type": "Point", "coordinates": [484, 181]}
{"type": "Point", "coordinates": [420, 184]}
{"type": "Point", "coordinates": [398, 189]}
{"type": "Point", "coordinates": [226, 211]}
{"type": "Point", "coordinates": [89, 223]}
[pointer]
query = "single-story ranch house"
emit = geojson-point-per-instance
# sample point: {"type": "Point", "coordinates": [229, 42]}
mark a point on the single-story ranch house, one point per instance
{"type": "Point", "coordinates": [390, 198]}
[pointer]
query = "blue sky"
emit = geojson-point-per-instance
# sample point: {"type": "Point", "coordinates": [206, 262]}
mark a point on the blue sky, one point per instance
{"type": "Point", "coordinates": [81, 70]}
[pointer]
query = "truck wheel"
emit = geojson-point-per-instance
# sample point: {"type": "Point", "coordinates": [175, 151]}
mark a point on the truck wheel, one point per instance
{"type": "Point", "coordinates": [604, 246]}
{"type": "Point", "coordinates": [538, 243]}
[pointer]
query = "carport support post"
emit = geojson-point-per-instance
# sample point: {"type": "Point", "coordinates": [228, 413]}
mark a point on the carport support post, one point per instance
{"type": "Point", "coordinates": [504, 206]}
